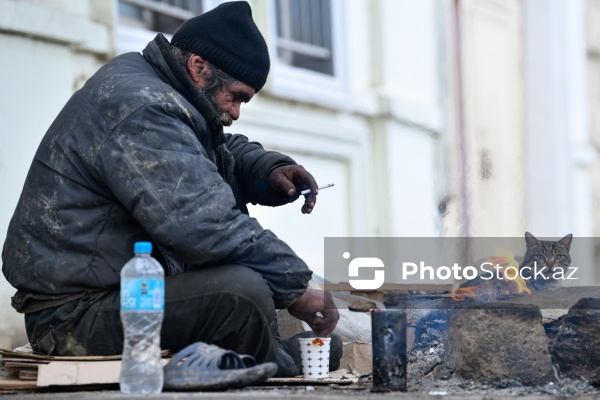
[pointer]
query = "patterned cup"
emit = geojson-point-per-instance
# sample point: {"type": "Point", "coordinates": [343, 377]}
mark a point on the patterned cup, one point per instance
{"type": "Point", "coordinates": [315, 357]}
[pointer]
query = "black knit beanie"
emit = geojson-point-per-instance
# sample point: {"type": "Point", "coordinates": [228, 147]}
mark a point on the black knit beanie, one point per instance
{"type": "Point", "coordinates": [228, 38]}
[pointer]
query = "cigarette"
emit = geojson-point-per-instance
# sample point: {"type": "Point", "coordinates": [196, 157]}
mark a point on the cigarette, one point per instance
{"type": "Point", "coordinates": [307, 191]}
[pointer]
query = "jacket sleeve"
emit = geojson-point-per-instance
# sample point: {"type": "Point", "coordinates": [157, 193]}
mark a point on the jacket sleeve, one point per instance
{"type": "Point", "coordinates": [157, 169]}
{"type": "Point", "coordinates": [252, 167]}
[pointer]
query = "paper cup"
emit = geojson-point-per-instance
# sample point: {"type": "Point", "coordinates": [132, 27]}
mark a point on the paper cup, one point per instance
{"type": "Point", "coordinates": [315, 357]}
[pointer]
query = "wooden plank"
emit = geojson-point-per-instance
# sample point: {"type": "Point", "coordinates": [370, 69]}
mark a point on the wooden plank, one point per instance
{"type": "Point", "coordinates": [8, 384]}
{"type": "Point", "coordinates": [12, 354]}
{"type": "Point", "coordinates": [28, 375]}
{"type": "Point", "coordinates": [20, 368]}
{"type": "Point", "coordinates": [20, 365]}
{"type": "Point", "coordinates": [4, 361]}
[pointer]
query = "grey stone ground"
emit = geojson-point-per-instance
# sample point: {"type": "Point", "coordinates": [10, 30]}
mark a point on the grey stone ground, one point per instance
{"type": "Point", "coordinates": [268, 393]}
{"type": "Point", "coordinates": [423, 389]}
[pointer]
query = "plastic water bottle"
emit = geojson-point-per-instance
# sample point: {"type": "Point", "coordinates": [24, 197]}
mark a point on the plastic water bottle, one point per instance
{"type": "Point", "coordinates": [142, 305]}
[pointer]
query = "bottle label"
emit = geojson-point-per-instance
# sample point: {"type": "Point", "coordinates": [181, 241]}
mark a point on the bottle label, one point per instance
{"type": "Point", "coordinates": [142, 294]}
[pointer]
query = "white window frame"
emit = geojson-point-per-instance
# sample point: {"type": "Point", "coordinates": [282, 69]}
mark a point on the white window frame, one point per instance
{"type": "Point", "coordinates": [130, 38]}
{"type": "Point", "coordinates": [305, 85]}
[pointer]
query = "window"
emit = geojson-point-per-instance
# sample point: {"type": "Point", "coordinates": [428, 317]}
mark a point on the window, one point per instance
{"type": "Point", "coordinates": [158, 15]}
{"type": "Point", "coordinates": [304, 34]}
{"type": "Point", "coordinates": [307, 51]}
{"type": "Point", "coordinates": [138, 21]}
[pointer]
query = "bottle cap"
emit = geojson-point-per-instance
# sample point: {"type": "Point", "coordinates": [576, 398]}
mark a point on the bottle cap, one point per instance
{"type": "Point", "coordinates": [142, 247]}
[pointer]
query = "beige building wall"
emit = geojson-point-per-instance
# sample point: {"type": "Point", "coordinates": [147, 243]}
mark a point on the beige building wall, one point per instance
{"type": "Point", "coordinates": [49, 49]}
{"type": "Point", "coordinates": [425, 129]}
{"type": "Point", "coordinates": [560, 149]}
{"type": "Point", "coordinates": [488, 119]}
{"type": "Point", "coordinates": [593, 69]}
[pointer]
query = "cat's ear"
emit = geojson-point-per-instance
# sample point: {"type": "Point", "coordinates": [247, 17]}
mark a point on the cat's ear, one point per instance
{"type": "Point", "coordinates": [530, 240]}
{"type": "Point", "coordinates": [566, 241]}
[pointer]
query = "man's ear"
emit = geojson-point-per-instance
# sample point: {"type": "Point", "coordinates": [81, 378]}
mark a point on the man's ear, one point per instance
{"type": "Point", "coordinates": [195, 67]}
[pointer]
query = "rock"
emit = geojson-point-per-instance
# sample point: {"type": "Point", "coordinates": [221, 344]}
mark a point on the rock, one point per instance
{"type": "Point", "coordinates": [357, 358]}
{"type": "Point", "coordinates": [495, 343]}
{"type": "Point", "coordinates": [443, 372]}
{"type": "Point", "coordinates": [577, 349]}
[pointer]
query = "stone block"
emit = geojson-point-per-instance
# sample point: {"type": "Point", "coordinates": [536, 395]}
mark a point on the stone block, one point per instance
{"type": "Point", "coordinates": [494, 343]}
{"type": "Point", "coordinates": [576, 352]}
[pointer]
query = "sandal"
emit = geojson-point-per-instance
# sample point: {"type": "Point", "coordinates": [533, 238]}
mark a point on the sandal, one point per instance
{"type": "Point", "coordinates": [202, 366]}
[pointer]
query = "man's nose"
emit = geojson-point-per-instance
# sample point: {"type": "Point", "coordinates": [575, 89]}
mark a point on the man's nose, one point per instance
{"type": "Point", "coordinates": [235, 110]}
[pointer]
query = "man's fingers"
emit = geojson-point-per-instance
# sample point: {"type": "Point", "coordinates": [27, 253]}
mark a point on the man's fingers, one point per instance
{"type": "Point", "coordinates": [303, 179]}
{"type": "Point", "coordinates": [331, 317]}
{"type": "Point", "coordinates": [293, 179]}
{"type": "Point", "coordinates": [318, 310]}
{"type": "Point", "coordinates": [282, 180]}
{"type": "Point", "coordinates": [310, 198]}
{"type": "Point", "coordinates": [308, 205]}
{"type": "Point", "coordinates": [320, 327]}
{"type": "Point", "coordinates": [324, 325]}
{"type": "Point", "coordinates": [309, 202]}
{"type": "Point", "coordinates": [282, 183]}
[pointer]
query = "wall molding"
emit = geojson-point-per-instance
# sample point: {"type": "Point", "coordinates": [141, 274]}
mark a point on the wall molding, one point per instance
{"type": "Point", "coordinates": [49, 24]}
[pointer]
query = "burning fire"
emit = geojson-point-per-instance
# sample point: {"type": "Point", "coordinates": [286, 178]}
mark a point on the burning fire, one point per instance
{"type": "Point", "coordinates": [463, 292]}
{"type": "Point", "coordinates": [507, 266]}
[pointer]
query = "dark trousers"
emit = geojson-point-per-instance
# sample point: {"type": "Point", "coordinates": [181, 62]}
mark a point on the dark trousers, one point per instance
{"type": "Point", "coordinates": [229, 306]}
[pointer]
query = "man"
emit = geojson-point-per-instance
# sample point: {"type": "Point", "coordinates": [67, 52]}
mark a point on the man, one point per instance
{"type": "Point", "coordinates": [139, 154]}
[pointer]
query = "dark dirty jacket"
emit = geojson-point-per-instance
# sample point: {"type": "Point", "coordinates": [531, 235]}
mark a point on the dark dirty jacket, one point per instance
{"type": "Point", "coordinates": [138, 155]}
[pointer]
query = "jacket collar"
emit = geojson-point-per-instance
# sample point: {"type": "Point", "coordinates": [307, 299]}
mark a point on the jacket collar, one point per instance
{"type": "Point", "coordinates": [157, 52]}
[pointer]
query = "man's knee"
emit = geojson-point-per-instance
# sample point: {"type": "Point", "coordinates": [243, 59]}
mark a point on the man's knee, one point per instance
{"type": "Point", "coordinates": [230, 306]}
{"type": "Point", "coordinates": [249, 283]}
{"type": "Point", "coordinates": [236, 279]}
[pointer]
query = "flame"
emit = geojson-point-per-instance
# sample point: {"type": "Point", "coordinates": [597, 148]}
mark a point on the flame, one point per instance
{"type": "Point", "coordinates": [508, 266]}
{"type": "Point", "coordinates": [463, 292]}
{"type": "Point", "coordinates": [505, 259]}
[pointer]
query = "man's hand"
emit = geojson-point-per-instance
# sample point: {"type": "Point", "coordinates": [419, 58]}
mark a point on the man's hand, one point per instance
{"type": "Point", "coordinates": [291, 180]}
{"type": "Point", "coordinates": [312, 302]}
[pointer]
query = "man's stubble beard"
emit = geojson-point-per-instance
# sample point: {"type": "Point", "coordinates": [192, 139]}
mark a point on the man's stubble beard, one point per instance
{"type": "Point", "coordinates": [212, 86]}
{"type": "Point", "coordinates": [224, 117]}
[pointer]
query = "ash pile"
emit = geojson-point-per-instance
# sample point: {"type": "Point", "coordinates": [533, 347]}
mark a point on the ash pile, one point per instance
{"type": "Point", "coordinates": [512, 347]}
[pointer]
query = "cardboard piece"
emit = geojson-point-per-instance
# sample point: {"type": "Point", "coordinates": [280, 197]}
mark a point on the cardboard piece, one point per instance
{"type": "Point", "coordinates": [64, 373]}
{"type": "Point", "coordinates": [340, 377]}
{"type": "Point", "coordinates": [26, 372]}
{"type": "Point", "coordinates": [67, 373]}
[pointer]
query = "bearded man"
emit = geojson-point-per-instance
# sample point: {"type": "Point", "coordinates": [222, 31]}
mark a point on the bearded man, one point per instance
{"type": "Point", "coordinates": [139, 154]}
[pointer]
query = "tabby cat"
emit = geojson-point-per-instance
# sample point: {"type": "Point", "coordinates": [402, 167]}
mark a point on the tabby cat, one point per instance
{"type": "Point", "coordinates": [549, 257]}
